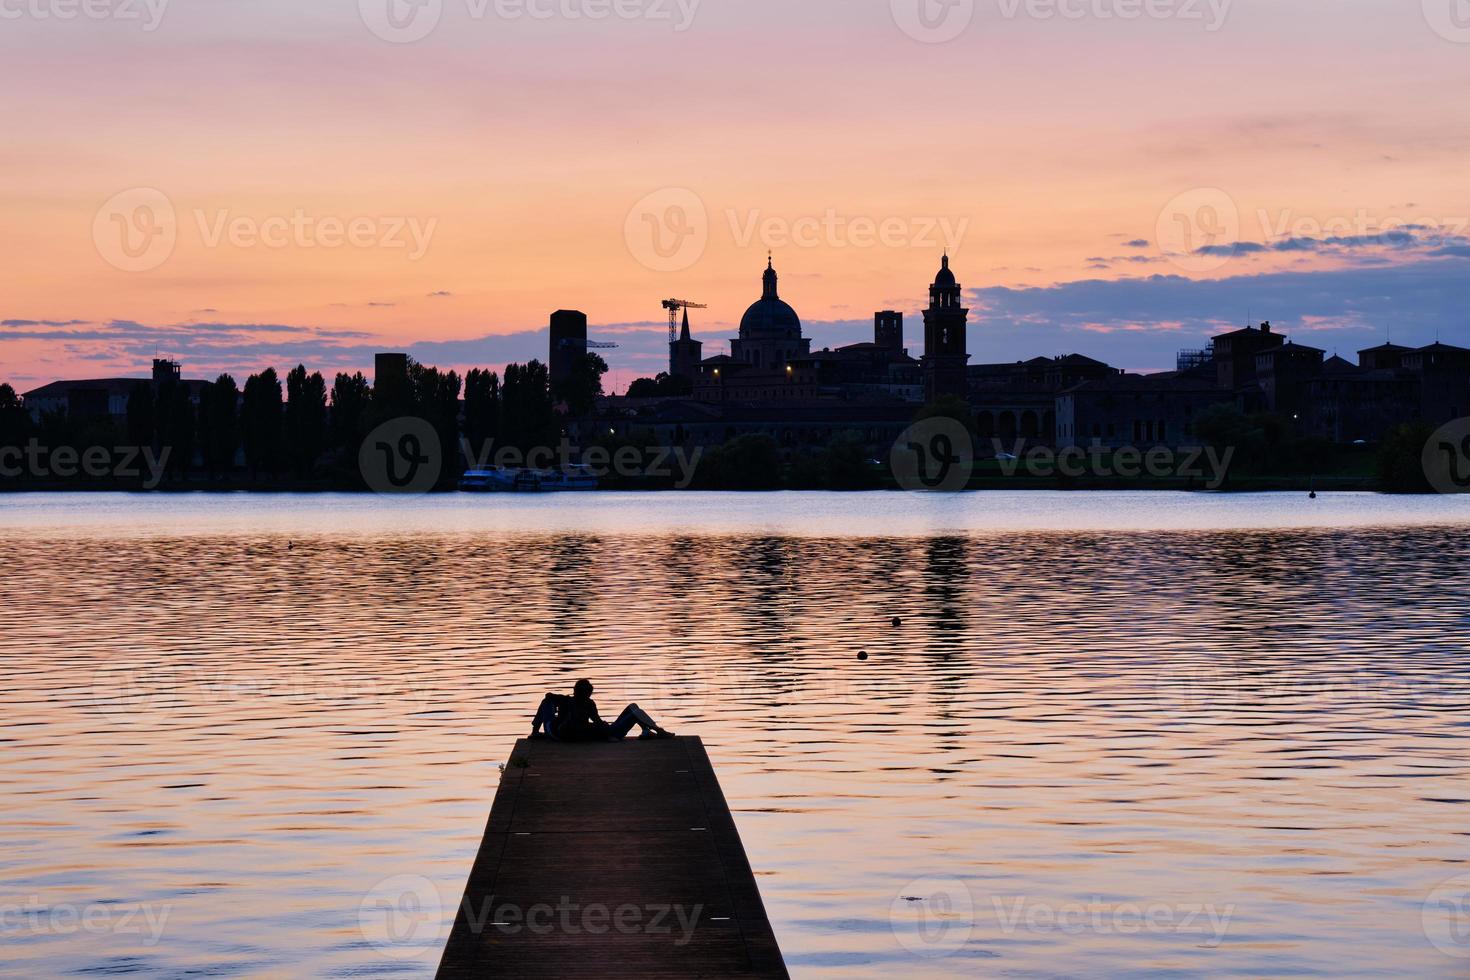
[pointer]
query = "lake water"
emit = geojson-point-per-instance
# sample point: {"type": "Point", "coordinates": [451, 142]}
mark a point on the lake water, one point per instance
{"type": "Point", "coordinates": [1115, 735]}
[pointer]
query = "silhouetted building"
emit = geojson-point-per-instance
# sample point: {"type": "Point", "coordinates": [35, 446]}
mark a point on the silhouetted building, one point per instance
{"type": "Point", "coordinates": [1136, 410]}
{"type": "Point", "coordinates": [771, 360]}
{"type": "Point", "coordinates": [1282, 373]}
{"type": "Point", "coordinates": [390, 381]}
{"type": "Point", "coordinates": [390, 370]}
{"type": "Point", "coordinates": [568, 344]}
{"type": "Point", "coordinates": [772, 382]}
{"type": "Point", "coordinates": [1235, 354]}
{"type": "Point", "coordinates": [888, 330]}
{"type": "Point", "coordinates": [1385, 357]}
{"type": "Point", "coordinates": [945, 349]}
{"type": "Point", "coordinates": [104, 398]}
{"type": "Point", "coordinates": [1018, 400]}
{"type": "Point", "coordinates": [770, 331]}
{"type": "Point", "coordinates": [685, 353]}
{"type": "Point", "coordinates": [1443, 372]}
{"type": "Point", "coordinates": [792, 424]}
{"type": "Point", "coordinates": [166, 372]}
{"type": "Point", "coordinates": [1354, 403]}
{"type": "Point", "coordinates": [760, 363]}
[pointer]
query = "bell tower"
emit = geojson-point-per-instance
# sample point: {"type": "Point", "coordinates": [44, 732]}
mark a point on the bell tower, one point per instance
{"type": "Point", "coordinates": [685, 353]}
{"type": "Point", "coordinates": [945, 348]}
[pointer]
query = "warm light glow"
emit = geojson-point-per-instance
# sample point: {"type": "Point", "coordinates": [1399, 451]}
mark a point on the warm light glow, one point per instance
{"type": "Point", "coordinates": [525, 202]}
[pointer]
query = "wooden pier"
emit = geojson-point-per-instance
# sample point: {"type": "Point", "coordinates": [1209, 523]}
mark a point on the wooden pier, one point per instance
{"type": "Point", "coordinates": [611, 860]}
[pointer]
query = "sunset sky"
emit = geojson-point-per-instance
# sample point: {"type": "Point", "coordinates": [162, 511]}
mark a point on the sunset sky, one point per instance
{"type": "Point", "coordinates": [301, 181]}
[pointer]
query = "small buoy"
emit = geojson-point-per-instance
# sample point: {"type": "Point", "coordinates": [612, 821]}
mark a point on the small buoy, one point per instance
{"type": "Point", "coordinates": [862, 655]}
{"type": "Point", "coordinates": [897, 621]}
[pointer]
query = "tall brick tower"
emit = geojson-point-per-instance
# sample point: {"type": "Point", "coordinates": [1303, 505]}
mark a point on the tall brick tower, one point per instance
{"type": "Point", "coordinates": [945, 350]}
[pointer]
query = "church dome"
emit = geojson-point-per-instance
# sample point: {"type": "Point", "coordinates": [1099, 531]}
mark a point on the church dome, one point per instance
{"type": "Point", "coordinates": [945, 277]}
{"type": "Point", "coordinates": [770, 313]}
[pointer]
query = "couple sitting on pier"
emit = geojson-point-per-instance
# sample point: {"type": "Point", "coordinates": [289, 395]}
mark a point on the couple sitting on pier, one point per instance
{"type": "Point", "coordinates": [575, 719]}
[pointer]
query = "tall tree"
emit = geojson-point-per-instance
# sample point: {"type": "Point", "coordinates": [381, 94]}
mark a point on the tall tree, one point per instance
{"type": "Point", "coordinates": [306, 418]}
{"type": "Point", "coordinates": [435, 398]}
{"type": "Point", "coordinates": [219, 424]}
{"type": "Point", "coordinates": [175, 425]}
{"type": "Point", "coordinates": [663, 385]}
{"type": "Point", "coordinates": [481, 407]}
{"type": "Point", "coordinates": [352, 396]}
{"type": "Point", "coordinates": [15, 421]}
{"type": "Point", "coordinates": [260, 422]}
{"type": "Point", "coordinates": [581, 389]}
{"type": "Point", "coordinates": [527, 420]}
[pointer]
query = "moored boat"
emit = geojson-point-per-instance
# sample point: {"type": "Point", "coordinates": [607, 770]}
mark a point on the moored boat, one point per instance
{"type": "Point", "coordinates": [501, 479]}
{"type": "Point", "coordinates": [575, 477]}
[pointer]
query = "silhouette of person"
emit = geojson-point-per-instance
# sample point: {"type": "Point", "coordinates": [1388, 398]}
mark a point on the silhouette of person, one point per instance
{"type": "Point", "coordinates": [575, 719]}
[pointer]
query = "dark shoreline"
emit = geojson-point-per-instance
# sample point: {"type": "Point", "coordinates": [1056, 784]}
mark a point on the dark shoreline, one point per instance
{"type": "Point", "coordinates": [980, 485]}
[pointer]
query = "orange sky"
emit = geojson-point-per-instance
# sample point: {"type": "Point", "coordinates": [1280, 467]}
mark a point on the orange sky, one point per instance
{"type": "Point", "coordinates": [518, 151]}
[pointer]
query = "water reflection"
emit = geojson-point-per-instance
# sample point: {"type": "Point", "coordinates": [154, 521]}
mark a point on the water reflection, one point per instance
{"type": "Point", "coordinates": [1220, 751]}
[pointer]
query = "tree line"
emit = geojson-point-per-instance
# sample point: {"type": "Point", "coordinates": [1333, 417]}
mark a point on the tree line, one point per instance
{"type": "Point", "coordinates": [302, 430]}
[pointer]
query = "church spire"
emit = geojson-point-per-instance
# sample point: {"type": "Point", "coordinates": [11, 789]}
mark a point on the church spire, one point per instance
{"type": "Point", "coordinates": [770, 279]}
{"type": "Point", "coordinates": [684, 334]}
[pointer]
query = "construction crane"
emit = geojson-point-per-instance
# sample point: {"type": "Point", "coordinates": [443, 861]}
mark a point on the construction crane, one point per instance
{"type": "Point", "coordinates": [674, 306]}
{"type": "Point", "coordinates": [588, 344]}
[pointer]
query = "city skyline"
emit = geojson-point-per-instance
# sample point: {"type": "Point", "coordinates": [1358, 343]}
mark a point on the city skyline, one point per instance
{"type": "Point", "coordinates": [507, 165]}
{"type": "Point", "coordinates": [994, 336]}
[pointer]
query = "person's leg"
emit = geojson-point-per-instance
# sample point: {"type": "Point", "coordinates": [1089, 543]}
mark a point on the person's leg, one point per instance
{"type": "Point", "coordinates": [545, 716]}
{"type": "Point", "coordinates": [632, 715]}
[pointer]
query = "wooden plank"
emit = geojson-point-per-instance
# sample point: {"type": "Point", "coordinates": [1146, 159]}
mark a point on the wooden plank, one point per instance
{"type": "Point", "coordinates": [611, 860]}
